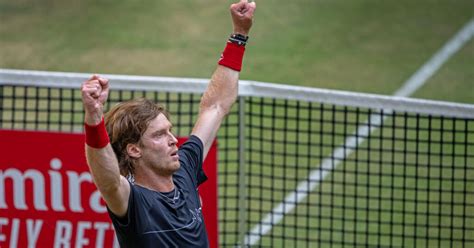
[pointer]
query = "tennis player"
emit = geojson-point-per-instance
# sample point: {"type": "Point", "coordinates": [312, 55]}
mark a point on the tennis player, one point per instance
{"type": "Point", "coordinates": [148, 184]}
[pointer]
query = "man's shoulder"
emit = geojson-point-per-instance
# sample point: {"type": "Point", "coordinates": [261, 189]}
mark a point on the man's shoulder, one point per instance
{"type": "Point", "coordinates": [192, 140]}
{"type": "Point", "coordinates": [191, 159]}
{"type": "Point", "coordinates": [191, 149]}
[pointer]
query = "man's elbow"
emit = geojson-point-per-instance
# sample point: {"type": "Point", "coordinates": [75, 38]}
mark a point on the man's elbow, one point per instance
{"type": "Point", "coordinates": [110, 189]}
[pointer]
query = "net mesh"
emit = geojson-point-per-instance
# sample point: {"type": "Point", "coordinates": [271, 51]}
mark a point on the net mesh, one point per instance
{"type": "Point", "coordinates": [315, 174]}
{"type": "Point", "coordinates": [322, 175]}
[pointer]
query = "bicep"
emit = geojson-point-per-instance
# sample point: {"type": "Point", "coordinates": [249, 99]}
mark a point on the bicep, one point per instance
{"type": "Point", "coordinates": [206, 127]}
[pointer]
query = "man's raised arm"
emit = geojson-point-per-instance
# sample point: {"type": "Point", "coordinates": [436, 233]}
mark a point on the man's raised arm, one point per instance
{"type": "Point", "coordinates": [101, 158]}
{"type": "Point", "coordinates": [221, 92]}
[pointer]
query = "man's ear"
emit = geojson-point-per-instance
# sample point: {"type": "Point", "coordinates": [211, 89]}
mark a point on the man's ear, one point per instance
{"type": "Point", "coordinates": [134, 151]}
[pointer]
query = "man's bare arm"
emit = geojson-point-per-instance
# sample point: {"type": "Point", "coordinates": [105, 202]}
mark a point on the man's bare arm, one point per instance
{"type": "Point", "coordinates": [222, 90]}
{"type": "Point", "coordinates": [215, 104]}
{"type": "Point", "coordinates": [102, 162]}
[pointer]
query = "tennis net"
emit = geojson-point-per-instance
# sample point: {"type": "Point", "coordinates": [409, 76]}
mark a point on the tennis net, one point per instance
{"type": "Point", "coordinates": [301, 167]}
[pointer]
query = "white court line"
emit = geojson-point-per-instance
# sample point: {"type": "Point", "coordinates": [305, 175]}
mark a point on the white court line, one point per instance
{"type": "Point", "coordinates": [328, 164]}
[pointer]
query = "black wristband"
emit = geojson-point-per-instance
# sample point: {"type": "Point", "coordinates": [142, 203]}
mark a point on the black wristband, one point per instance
{"type": "Point", "coordinates": [238, 39]}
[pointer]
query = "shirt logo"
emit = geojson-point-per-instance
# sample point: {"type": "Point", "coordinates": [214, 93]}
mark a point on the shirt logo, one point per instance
{"type": "Point", "coordinates": [196, 214]}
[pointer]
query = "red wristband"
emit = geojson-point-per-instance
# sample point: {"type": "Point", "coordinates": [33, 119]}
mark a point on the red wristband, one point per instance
{"type": "Point", "coordinates": [232, 56]}
{"type": "Point", "coordinates": [96, 136]}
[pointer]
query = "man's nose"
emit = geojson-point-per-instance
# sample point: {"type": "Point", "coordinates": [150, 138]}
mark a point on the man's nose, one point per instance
{"type": "Point", "coordinates": [173, 140]}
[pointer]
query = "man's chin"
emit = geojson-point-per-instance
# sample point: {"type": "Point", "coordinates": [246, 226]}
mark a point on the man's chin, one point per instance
{"type": "Point", "coordinates": [175, 167]}
{"type": "Point", "coordinates": [170, 169]}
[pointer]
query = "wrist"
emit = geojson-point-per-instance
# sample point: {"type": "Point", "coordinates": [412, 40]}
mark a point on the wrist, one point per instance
{"type": "Point", "coordinates": [238, 39]}
{"type": "Point", "coordinates": [239, 29]}
{"type": "Point", "coordinates": [232, 56]}
{"type": "Point", "coordinates": [93, 119]}
{"type": "Point", "coordinates": [96, 135]}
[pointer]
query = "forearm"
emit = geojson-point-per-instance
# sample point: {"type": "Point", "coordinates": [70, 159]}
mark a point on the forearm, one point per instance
{"type": "Point", "coordinates": [221, 92]}
{"type": "Point", "coordinates": [100, 156]}
{"type": "Point", "coordinates": [216, 103]}
{"type": "Point", "coordinates": [104, 168]}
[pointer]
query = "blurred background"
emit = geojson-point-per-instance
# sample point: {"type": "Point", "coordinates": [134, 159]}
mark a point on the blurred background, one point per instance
{"type": "Point", "coordinates": [369, 46]}
{"type": "Point", "coordinates": [357, 45]}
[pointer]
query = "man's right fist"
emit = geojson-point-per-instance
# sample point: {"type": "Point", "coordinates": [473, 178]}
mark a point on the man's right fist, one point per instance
{"type": "Point", "coordinates": [242, 16]}
{"type": "Point", "coordinates": [94, 95]}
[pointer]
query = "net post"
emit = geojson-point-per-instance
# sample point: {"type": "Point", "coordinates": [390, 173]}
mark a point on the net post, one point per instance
{"type": "Point", "coordinates": [242, 179]}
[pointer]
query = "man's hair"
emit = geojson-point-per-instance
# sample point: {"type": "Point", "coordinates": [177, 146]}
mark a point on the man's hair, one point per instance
{"type": "Point", "coordinates": [126, 123]}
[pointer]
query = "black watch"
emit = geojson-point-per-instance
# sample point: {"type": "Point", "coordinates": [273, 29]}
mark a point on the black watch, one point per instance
{"type": "Point", "coordinates": [238, 39]}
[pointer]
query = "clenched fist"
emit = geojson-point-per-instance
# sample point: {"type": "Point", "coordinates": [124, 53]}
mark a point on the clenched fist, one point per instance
{"type": "Point", "coordinates": [242, 16]}
{"type": "Point", "coordinates": [94, 95]}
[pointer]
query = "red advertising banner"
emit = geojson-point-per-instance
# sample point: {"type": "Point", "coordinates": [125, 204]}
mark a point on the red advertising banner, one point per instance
{"type": "Point", "coordinates": [48, 199]}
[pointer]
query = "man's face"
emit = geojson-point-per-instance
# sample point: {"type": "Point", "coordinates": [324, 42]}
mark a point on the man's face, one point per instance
{"type": "Point", "coordinates": [159, 147]}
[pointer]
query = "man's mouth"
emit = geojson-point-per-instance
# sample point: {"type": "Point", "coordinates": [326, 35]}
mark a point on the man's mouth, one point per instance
{"type": "Point", "coordinates": [175, 154]}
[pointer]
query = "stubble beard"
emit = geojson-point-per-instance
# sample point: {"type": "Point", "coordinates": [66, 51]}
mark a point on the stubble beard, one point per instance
{"type": "Point", "coordinates": [170, 168]}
